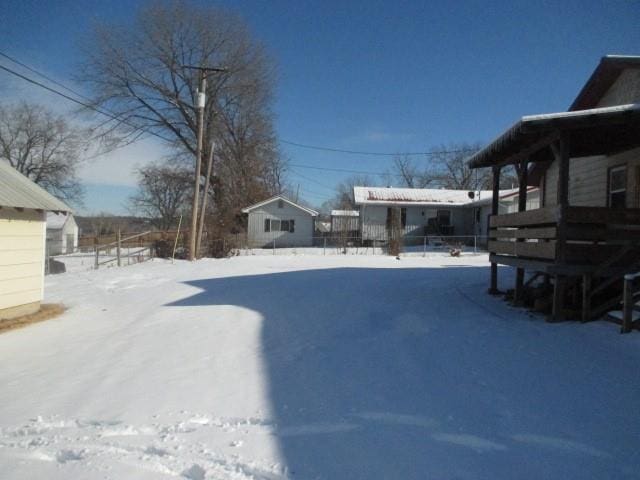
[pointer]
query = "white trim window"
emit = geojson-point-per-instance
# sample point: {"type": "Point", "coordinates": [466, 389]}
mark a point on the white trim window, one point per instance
{"type": "Point", "coordinates": [617, 194]}
{"type": "Point", "coordinates": [276, 225]}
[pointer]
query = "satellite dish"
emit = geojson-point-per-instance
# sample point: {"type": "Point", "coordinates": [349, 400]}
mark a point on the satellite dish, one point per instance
{"type": "Point", "coordinates": [472, 195]}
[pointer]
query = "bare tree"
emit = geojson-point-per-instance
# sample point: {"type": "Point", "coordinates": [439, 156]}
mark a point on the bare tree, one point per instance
{"type": "Point", "coordinates": [410, 175]}
{"type": "Point", "coordinates": [164, 191]}
{"type": "Point", "coordinates": [142, 73]}
{"type": "Point", "coordinates": [344, 191]}
{"type": "Point", "coordinates": [43, 147]}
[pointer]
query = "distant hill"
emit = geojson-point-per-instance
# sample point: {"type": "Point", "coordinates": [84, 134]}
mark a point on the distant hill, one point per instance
{"type": "Point", "coordinates": [108, 224]}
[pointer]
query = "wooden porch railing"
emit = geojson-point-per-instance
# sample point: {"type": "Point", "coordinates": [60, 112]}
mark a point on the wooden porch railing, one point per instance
{"type": "Point", "coordinates": [572, 235]}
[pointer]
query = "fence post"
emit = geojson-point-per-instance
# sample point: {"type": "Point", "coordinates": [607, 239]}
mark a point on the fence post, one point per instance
{"type": "Point", "coordinates": [97, 263]}
{"type": "Point", "coordinates": [118, 246]}
{"type": "Point", "coordinates": [424, 246]}
{"type": "Point", "coordinates": [475, 244]}
{"type": "Point", "coordinates": [324, 248]}
{"type": "Point", "coordinates": [274, 246]}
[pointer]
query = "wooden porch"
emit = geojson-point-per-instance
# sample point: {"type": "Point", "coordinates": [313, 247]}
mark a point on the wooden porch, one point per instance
{"type": "Point", "coordinates": [581, 252]}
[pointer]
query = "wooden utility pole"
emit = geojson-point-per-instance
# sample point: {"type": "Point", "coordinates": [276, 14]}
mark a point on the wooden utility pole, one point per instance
{"type": "Point", "coordinates": [196, 187]}
{"type": "Point", "coordinates": [203, 210]}
{"type": "Point", "coordinates": [202, 100]}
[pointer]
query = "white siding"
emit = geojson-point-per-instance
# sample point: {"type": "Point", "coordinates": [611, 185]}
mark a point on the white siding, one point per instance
{"type": "Point", "coordinates": [22, 239]}
{"type": "Point", "coordinates": [374, 220]}
{"type": "Point", "coordinates": [303, 231]}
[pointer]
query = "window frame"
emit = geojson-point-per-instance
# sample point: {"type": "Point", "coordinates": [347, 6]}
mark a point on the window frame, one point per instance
{"type": "Point", "coordinates": [610, 192]}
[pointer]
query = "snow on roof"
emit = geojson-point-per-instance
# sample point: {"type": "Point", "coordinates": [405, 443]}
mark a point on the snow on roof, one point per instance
{"type": "Point", "coordinates": [411, 196]}
{"type": "Point", "coordinates": [345, 213]}
{"type": "Point", "coordinates": [581, 113]}
{"type": "Point", "coordinates": [248, 209]}
{"type": "Point", "coordinates": [18, 191]}
{"type": "Point", "coordinates": [56, 221]}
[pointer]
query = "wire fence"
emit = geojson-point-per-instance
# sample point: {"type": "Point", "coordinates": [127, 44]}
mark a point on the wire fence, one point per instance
{"type": "Point", "coordinates": [117, 253]}
{"type": "Point", "coordinates": [102, 252]}
{"type": "Point", "coordinates": [410, 245]}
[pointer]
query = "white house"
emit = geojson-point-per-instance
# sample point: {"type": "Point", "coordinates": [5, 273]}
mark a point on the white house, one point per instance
{"type": "Point", "coordinates": [23, 207]}
{"type": "Point", "coordinates": [423, 211]}
{"type": "Point", "coordinates": [279, 221]}
{"type": "Point", "coordinates": [62, 233]}
{"type": "Point", "coordinates": [508, 203]}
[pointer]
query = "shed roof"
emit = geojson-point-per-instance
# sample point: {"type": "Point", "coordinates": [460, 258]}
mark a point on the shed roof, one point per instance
{"type": "Point", "coordinates": [248, 209]}
{"type": "Point", "coordinates": [345, 213]}
{"type": "Point", "coordinates": [411, 196]}
{"type": "Point", "coordinates": [18, 191]}
{"type": "Point", "coordinates": [595, 131]}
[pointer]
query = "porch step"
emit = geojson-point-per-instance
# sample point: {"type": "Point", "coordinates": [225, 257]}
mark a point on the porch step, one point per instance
{"type": "Point", "coordinates": [617, 315]}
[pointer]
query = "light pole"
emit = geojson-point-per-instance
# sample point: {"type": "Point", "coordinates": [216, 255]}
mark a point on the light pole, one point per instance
{"type": "Point", "coordinates": [202, 100]}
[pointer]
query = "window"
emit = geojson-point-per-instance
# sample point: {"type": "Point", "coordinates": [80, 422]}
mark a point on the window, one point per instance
{"type": "Point", "coordinates": [444, 217]}
{"type": "Point", "coordinates": [617, 195]}
{"type": "Point", "coordinates": [273, 225]}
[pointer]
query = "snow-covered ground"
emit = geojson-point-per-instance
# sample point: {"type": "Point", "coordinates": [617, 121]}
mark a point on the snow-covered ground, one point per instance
{"type": "Point", "coordinates": [312, 367]}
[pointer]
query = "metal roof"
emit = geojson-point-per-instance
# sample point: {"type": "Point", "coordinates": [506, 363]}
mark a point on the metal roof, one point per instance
{"type": "Point", "coordinates": [311, 212]}
{"type": "Point", "coordinates": [411, 196]}
{"type": "Point", "coordinates": [18, 191]}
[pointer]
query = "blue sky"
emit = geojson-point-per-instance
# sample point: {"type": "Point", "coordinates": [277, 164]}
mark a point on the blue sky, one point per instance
{"type": "Point", "coordinates": [389, 76]}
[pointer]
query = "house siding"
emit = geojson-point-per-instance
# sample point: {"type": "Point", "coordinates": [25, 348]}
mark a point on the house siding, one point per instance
{"type": "Point", "coordinates": [588, 179]}
{"type": "Point", "coordinates": [374, 220]}
{"type": "Point", "coordinates": [22, 242]}
{"type": "Point", "coordinates": [57, 238]}
{"type": "Point", "coordinates": [304, 226]}
{"type": "Point", "coordinates": [625, 90]}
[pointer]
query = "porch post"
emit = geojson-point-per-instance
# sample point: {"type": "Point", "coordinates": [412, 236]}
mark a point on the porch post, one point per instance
{"type": "Point", "coordinates": [495, 203]}
{"type": "Point", "coordinates": [561, 153]}
{"type": "Point", "coordinates": [522, 206]}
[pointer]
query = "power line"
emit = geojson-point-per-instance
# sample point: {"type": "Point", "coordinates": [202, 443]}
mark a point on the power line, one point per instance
{"type": "Point", "coordinates": [380, 154]}
{"type": "Point", "coordinates": [345, 170]}
{"type": "Point", "coordinates": [84, 104]}
{"type": "Point", "coordinates": [313, 180]}
{"type": "Point", "coordinates": [46, 77]}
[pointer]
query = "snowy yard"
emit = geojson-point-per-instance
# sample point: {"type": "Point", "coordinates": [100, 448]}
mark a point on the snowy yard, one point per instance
{"type": "Point", "coordinates": [311, 367]}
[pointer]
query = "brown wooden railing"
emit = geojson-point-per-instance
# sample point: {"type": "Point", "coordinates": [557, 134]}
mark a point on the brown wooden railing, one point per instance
{"type": "Point", "coordinates": [573, 235]}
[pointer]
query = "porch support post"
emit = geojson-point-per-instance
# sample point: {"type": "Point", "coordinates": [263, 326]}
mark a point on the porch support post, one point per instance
{"type": "Point", "coordinates": [586, 297]}
{"type": "Point", "coordinates": [560, 150]}
{"type": "Point", "coordinates": [522, 206]}
{"type": "Point", "coordinates": [495, 204]}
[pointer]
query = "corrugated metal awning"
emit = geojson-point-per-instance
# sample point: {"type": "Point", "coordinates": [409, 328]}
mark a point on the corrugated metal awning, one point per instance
{"type": "Point", "coordinates": [18, 191]}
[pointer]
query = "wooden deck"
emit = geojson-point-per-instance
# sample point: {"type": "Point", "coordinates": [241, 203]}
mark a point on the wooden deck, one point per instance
{"type": "Point", "coordinates": [568, 237]}
{"type": "Point", "coordinates": [585, 249]}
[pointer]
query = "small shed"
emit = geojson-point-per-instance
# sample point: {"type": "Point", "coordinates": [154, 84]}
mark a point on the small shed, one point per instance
{"type": "Point", "coordinates": [277, 221]}
{"type": "Point", "coordinates": [23, 207]}
{"type": "Point", "coordinates": [345, 222]}
{"type": "Point", "coordinates": [62, 233]}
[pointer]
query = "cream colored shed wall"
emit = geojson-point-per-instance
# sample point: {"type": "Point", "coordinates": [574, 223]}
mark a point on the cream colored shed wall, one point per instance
{"type": "Point", "coordinates": [22, 239]}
